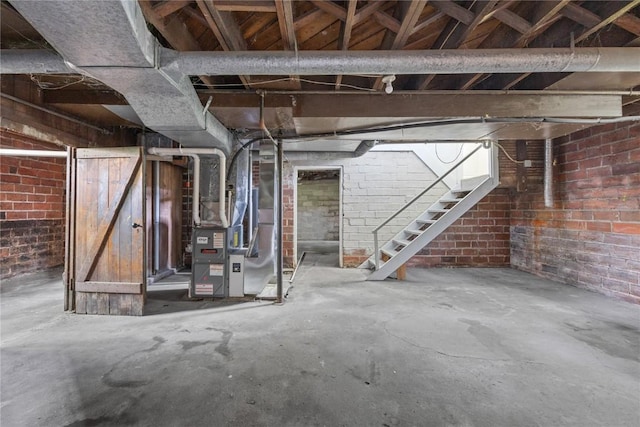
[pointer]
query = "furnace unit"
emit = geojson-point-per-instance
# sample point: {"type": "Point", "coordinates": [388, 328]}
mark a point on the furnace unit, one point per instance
{"type": "Point", "coordinates": [209, 263]}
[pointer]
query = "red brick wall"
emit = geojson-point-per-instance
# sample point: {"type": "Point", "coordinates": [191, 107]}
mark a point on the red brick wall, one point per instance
{"type": "Point", "coordinates": [479, 239]}
{"type": "Point", "coordinates": [591, 236]}
{"type": "Point", "coordinates": [32, 208]}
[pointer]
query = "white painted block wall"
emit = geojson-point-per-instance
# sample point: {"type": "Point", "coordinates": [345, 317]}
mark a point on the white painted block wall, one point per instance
{"type": "Point", "coordinates": [374, 186]}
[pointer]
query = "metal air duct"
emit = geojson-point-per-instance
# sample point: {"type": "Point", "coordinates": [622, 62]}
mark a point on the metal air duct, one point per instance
{"type": "Point", "coordinates": [455, 61]}
{"type": "Point", "coordinates": [383, 62]}
{"type": "Point", "coordinates": [109, 41]}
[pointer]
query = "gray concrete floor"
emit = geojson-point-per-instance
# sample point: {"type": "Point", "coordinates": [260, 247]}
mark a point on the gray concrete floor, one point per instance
{"type": "Point", "coordinates": [448, 347]}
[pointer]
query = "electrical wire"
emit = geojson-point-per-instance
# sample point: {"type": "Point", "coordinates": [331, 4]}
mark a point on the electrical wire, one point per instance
{"type": "Point", "coordinates": [507, 154]}
{"type": "Point", "coordinates": [43, 45]}
{"type": "Point", "coordinates": [44, 87]}
{"type": "Point", "coordinates": [284, 79]}
{"type": "Point", "coordinates": [456, 158]}
{"type": "Point", "coordinates": [367, 89]}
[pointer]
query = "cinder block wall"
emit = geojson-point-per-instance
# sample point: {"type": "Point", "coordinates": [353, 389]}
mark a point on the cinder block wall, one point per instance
{"type": "Point", "coordinates": [32, 208]}
{"type": "Point", "coordinates": [374, 186]}
{"type": "Point", "coordinates": [591, 236]}
{"type": "Point", "coordinates": [318, 209]}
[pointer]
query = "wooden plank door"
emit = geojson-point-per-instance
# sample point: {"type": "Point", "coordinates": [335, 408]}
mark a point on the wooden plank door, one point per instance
{"type": "Point", "coordinates": [110, 231]}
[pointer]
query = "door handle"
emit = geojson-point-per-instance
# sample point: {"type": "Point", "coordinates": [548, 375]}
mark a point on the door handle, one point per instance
{"type": "Point", "coordinates": [136, 225]}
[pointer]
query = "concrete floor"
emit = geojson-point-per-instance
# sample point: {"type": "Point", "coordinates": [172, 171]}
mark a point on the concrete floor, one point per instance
{"type": "Point", "coordinates": [448, 347]}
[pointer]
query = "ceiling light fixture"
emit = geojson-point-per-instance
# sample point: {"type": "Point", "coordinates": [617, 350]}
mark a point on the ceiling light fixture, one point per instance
{"type": "Point", "coordinates": [387, 80]}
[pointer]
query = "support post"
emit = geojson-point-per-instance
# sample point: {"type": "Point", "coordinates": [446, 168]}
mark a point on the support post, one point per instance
{"type": "Point", "coordinates": [279, 249]}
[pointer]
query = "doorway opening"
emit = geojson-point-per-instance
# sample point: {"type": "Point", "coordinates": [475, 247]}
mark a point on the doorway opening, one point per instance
{"type": "Point", "coordinates": [318, 217]}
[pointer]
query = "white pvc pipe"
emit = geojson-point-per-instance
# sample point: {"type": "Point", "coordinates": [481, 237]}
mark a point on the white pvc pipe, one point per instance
{"type": "Point", "coordinates": [195, 153]}
{"type": "Point", "coordinates": [31, 153]}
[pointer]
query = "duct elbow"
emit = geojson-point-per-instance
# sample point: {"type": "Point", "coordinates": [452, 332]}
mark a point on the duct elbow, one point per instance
{"type": "Point", "coordinates": [364, 147]}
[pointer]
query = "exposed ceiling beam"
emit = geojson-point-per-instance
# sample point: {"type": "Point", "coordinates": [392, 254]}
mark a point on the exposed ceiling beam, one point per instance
{"type": "Point", "coordinates": [166, 8]}
{"type": "Point", "coordinates": [582, 16]}
{"type": "Point", "coordinates": [630, 23]}
{"type": "Point", "coordinates": [428, 21]}
{"type": "Point", "coordinates": [347, 27]}
{"type": "Point", "coordinates": [368, 10]}
{"type": "Point", "coordinates": [513, 20]}
{"type": "Point", "coordinates": [225, 29]}
{"type": "Point", "coordinates": [543, 16]}
{"type": "Point", "coordinates": [331, 8]}
{"type": "Point", "coordinates": [572, 11]}
{"type": "Point", "coordinates": [462, 32]}
{"type": "Point", "coordinates": [427, 41]}
{"type": "Point", "coordinates": [83, 97]}
{"type": "Point", "coordinates": [307, 18]}
{"type": "Point", "coordinates": [458, 34]}
{"type": "Point", "coordinates": [408, 14]}
{"type": "Point", "coordinates": [223, 26]}
{"type": "Point", "coordinates": [389, 22]}
{"type": "Point", "coordinates": [454, 10]}
{"type": "Point", "coordinates": [284, 11]}
{"type": "Point", "coordinates": [608, 20]}
{"type": "Point", "coordinates": [245, 6]}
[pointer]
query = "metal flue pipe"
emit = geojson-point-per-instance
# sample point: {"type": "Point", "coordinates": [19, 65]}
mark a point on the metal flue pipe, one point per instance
{"type": "Point", "coordinates": [453, 61]}
{"type": "Point", "coordinates": [548, 173]}
{"type": "Point", "coordinates": [195, 153]}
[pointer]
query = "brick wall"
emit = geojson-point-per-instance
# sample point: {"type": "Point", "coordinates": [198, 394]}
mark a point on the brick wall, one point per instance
{"type": "Point", "coordinates": [32, 208]}
{"type": "Point", "coordinates": [591, 236]}
{"type": "Point", "coordinates": [480, 238]}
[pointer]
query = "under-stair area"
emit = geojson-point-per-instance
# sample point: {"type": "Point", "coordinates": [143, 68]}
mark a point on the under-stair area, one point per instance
{"type": "Point", "coordinates": [433, 221]}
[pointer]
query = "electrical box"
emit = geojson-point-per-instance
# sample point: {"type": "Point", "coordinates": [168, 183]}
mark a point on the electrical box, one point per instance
{"type": "Point", "coordinates": [236, 275]}
{"type": "Point", "coordinates": [209, 263]}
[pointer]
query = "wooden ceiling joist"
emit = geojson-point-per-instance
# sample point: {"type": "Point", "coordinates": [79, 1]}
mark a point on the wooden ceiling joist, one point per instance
{"type": "Point", "coordinates": [166, 8]}
{"type": "Point", "coordinates": [408, 14]}
{"type": "Point", "coordinates": [608, 20]}
{"type": "Point", "coordinates": [245, 6]}
{"type": "Point", "coordinates": [225, 28]}
{"type": "Point", "coordinates": [513, 20]}
{"type": "Point", "coordinates": [459, 32]}
{"type": "Point", "coordinates": [331, 8]}
{"type": "Point", "coordinates": [284, 11]}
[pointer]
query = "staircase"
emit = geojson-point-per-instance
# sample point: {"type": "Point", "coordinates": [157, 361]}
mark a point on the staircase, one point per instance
{"type": "Point", "coordinates": [432, 222]}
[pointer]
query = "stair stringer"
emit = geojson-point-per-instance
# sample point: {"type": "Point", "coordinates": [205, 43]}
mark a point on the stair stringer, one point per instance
{"type": "Point", "coordinates": [447, 219]}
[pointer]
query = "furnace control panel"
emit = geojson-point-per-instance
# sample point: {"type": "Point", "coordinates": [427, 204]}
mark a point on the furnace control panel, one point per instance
{"type": "Point", "coordinates": [209, 264]}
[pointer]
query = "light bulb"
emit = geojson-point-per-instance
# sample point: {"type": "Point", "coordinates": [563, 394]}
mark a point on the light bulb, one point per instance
{"type": "Point", "coordinates": [388, 88]}
{"type": "Point", "coordinates": [387, 80]}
